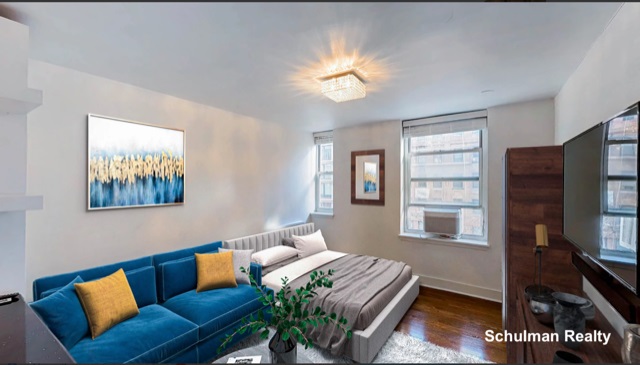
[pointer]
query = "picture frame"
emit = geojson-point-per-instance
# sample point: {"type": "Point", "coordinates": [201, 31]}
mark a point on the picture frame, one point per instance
{"type": "Point", "coordinates": [367, 177]}
{"type": "Point", "coordinates": [133, 165]}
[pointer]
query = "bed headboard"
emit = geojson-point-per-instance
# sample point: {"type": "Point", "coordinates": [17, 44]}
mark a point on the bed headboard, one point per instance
{"type": "Point", "coordinates": [265, 240]}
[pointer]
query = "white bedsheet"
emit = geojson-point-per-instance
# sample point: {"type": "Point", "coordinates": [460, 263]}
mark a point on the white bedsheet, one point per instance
{"type": "Point", "coordinates": [299, 268]}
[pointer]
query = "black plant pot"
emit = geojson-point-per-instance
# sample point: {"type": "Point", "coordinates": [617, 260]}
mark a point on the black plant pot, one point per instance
{"type": "Point", "coordinates": [283, 352]}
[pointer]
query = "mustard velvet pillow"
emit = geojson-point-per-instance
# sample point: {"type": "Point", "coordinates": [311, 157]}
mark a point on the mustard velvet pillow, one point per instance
{"type": "Point", "coordinates": [215, 270]}
{"type": "Point", "coordinates": [107, 302]}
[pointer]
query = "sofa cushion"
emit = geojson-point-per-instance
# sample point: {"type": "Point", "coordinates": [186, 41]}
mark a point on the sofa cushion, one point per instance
{"type": "Point", "coordinates": [107, 302]}
{"type": "Point", "coordinates": [46, 293]}
{"type": "Point", "coordinates": [63, 314]}
{"type": "Point", "coordinates": [47, 283]}
{"type": "Point", "coordinates": [213, 310]}
{"type": "Point", "coordinates": [152, 336]}
{"type": "Point", "coordinates": [142, 282]}
{"type": "Point", "coordinates": [215, 271]}
{"type": "Point", "coordinates": [178, 276]}
{"type": "Point", "coordinates": [165, 257]}
{"type": "Point", "coordinates": [143, 285]}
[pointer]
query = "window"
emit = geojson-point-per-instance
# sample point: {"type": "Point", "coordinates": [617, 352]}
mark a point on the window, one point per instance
{"type": "Point", "coordinates": [324, 172]}
{"type": "Point", "coordinates": [443, 168]}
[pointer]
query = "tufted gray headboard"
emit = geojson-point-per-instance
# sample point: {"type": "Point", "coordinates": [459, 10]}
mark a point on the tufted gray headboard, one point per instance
{"type": "Point", "coordinates": [265, 240]}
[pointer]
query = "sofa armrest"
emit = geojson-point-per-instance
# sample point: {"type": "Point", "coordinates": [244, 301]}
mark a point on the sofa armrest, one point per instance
{"type": "Point", "coordinates": [256, 271]}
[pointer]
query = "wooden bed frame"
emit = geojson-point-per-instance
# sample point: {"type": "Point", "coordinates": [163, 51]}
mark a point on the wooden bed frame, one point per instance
{"type": "Point", "coordinates": [365, 344]}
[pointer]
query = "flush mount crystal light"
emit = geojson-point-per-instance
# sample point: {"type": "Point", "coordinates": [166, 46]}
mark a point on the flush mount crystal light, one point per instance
{"type": "Point", "coordinates": [344, 86]}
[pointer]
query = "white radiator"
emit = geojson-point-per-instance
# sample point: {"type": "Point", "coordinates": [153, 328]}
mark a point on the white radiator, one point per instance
{"type": "Point", "coordinates": [444, 222]}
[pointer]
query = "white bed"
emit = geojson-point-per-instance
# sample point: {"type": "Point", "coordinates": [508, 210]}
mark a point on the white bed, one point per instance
{"type": "Point", "coordinates": [365, 343]}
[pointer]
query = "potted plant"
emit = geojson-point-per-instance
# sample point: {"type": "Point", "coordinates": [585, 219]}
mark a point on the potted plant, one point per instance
{"type": "Point", "coordinates": [288, 316]}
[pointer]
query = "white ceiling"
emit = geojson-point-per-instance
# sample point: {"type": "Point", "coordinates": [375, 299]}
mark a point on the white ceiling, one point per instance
{"type": "Point", "coordinates": [253, 58]}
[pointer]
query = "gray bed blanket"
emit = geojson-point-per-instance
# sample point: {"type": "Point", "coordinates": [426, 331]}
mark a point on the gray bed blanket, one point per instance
{"type": "Point", "coordinates": [357, 279]}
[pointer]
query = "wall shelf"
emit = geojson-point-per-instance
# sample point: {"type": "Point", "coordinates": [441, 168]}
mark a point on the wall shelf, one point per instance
{"type": "Point", "coordinates": [21, 103]}
{"type": "Point", "coordinates": [14, 203]}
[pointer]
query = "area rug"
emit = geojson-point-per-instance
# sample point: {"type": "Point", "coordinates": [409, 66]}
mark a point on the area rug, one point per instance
{"type": "Point", "coordinates": [399, 348]}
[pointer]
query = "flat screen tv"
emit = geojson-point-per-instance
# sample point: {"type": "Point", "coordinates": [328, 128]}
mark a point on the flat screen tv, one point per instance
{"type": "Point", "coordinates": [601, 195]}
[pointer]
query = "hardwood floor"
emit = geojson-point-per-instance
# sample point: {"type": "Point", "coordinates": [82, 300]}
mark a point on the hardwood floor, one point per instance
{"type": "Point", "coordinates": [455, 321]}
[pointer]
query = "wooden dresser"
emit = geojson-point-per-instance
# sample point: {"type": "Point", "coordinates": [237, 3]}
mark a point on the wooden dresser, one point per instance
{"type": "Point", "coordinates": [542, 352]}
{"type": "Point", "coordinates": [533, 194]}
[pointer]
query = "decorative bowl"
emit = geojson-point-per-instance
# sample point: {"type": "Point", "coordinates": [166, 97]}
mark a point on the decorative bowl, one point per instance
{"type": "Point", "coordinates": [537, 290]}
{"type": "Point", "coordinates": [542, 308]}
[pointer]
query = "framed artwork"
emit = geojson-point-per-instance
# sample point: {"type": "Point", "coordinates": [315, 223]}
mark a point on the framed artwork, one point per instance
{"type": "Point", "coordinates": [133, 165]}
{"type": "Point", "coordinates": [367, 177]}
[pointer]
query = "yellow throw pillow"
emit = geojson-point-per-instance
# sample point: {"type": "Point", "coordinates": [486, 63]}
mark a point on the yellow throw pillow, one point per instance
{"type": "Point", "coordinates": [215, 270]}
{"type": "Point", "coordinates": [107, 302]}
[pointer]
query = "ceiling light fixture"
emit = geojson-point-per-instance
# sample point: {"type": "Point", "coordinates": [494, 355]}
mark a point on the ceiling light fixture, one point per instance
{"type": "Point", "coordinates": [343, 86]}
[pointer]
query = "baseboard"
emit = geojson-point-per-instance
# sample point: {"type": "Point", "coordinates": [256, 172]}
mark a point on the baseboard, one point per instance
{"type": "Point", "coordinates": [461, 288]}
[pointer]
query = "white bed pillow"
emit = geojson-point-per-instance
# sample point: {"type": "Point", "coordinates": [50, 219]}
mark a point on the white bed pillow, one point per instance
{"type": "Point", "coordinates": [273, 255]}
{"type": "Point", "coordinates": [310, 244]}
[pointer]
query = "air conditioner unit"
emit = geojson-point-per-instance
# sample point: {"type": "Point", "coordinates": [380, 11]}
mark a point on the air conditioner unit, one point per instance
{"type": "Point", "coordinates": [444, 222]}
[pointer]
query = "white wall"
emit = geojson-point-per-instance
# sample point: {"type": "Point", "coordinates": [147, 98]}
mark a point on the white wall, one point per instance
{"type": "Point", "coordinates": [607, 81]}
{"type": "Point", "coordinates": [243, 176]}
{"type": "Point", "coordinates": [374, 230]}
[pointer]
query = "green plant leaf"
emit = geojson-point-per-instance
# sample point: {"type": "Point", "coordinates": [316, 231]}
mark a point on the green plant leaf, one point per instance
{"type": "Point", "coordinates": [285, 335]}
{"type": "Point", "coordinates": [264, 334]}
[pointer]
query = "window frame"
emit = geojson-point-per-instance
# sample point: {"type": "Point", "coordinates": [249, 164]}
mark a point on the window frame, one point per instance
{"type": "Point", "coordinates": [481, 180]}
{"type": "Point", "coordinates": [319, 174]}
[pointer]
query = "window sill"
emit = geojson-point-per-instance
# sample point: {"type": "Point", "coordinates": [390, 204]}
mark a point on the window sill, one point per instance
{"type": "Point", "coordinates": [322, 214]}
{"type": "Point", "coordinates": [466, 243]}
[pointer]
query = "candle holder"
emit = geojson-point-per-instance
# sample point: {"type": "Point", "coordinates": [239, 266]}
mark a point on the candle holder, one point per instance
{"type": "Point", "coordinates": [538, 290]}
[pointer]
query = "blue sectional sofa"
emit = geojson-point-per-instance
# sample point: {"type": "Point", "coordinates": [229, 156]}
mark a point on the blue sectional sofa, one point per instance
{"type": "Point", "coordinates": [175, 324]}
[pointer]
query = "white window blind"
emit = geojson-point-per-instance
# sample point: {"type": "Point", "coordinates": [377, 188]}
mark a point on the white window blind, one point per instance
{"type": "Point", "coordinates": [323, 137]}
{"type": "Point", "coordinates": [443, 169]}
{"type": "Point", "coordinates": [452, 123]}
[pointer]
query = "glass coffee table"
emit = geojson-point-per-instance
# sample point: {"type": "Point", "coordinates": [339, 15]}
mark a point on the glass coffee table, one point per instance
{"type": "Point", "coordinates": [261, 350]}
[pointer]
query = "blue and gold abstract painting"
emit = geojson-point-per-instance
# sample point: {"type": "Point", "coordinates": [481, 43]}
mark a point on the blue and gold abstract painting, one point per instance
{"type": "Point", "coordinates": [370, 177]}
{"type": "Point", "coordinates": [133, 164]}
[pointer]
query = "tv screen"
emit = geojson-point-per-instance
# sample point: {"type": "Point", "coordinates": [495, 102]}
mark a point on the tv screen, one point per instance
{"type": "Point", "coordinates": [601, 194]}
